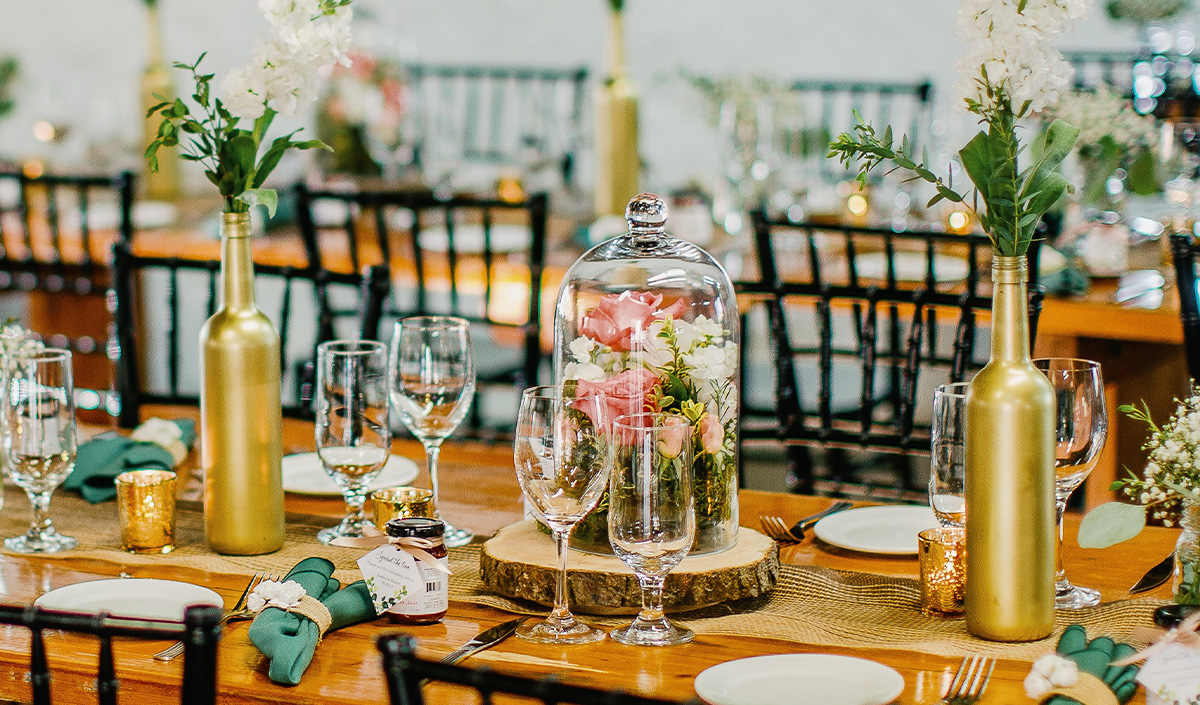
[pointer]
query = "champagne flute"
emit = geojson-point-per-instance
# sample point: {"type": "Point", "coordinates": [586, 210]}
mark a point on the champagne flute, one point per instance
{"type": "Point", "coordinates": [947, 476]}
{"type": "Point", "coordinates": [651, 515]}
{"type": "Point", "coordinates": [433, 382]}
{"type": "Point", "coordinates": [1081, 425]}
{"type": "Point", "coordinates": [353, 436]}
{"type": "Point", "coordinates": [39, 442]}
{"type": "Point", "coordinates": [562, 467]}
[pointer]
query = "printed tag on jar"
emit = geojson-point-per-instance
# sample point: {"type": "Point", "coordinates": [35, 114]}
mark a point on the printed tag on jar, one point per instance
{"type": "Point", "coordinates": [430, 599]}
{"type": "Point", "coordinates": [391, 576]}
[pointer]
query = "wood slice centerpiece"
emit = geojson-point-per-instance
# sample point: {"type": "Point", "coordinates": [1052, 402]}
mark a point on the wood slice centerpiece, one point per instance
{"type": "Point", "coordinates": [520, 561]}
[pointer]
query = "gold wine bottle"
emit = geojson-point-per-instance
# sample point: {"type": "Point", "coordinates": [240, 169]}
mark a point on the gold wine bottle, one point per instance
{"type": "Point", "coordinates": [616, 130]}
{"type": "Point", "coordinates": [240, 426]}
{"type": "Point", "coordinates": [1010, 477]}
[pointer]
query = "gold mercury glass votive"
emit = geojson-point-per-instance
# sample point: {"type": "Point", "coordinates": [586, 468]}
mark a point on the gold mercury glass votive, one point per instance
{"type": "Point", "coordinates": [146, 510]}
{"type": "Point", "coordinates": [943, 558]}
{"type": "Point", "coordinates": [401, 503]}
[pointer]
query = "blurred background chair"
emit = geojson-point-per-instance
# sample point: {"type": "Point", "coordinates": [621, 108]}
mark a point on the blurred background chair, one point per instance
{"type": "Point", "coordinates": [56, 231]}
{"type": "Point", "coordinates": [864, 323]}
{"type": "Point", "coordinates": [161, 303]}
{"type": "Point", "coordinates": [1184, 256]}
{"type": "Point", "coordinates": [521, 118]}
{"type": "Point", "coordinates": [199, 632]}
{"type": "Point", "coordinates": [481, 259]}
{"type": "Point", "coordinates": [1162, 84]}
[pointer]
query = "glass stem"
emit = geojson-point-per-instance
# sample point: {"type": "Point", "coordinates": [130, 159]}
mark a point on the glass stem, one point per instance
{"type": "Point", "coordinates": [432, 448]}
{"type": "Point", "coordinates": [1060, 575]}
{"type": "Point", "coordinates": [41, 509]}
{"type": "Point", "coordinates": [355, 496]}
{"type": "Point", "coordinates": [652, 598]}
{"type": "Point", "coordinates": [561, 615]}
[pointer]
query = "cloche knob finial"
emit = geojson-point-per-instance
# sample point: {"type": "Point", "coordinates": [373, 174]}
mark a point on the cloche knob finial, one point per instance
{"type": "Point", "coordinates": [646, 213]}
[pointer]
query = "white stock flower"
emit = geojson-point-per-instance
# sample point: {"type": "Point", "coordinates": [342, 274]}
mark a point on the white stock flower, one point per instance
{"type": "Point", "coordinates": [272, 593]}
{"type": "Point", "coordinates": [583, 370]}
{"type": "Point", "coordinates": [708, 362]}
{"type": "Point", "coordinates": [16, 345]}
{"type": "Point", "coordinates": [244, 93]}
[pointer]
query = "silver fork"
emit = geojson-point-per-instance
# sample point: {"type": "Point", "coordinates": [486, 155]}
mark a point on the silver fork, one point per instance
{"type": "Point", "coordinates": [239, 612]}
{"type": "Point", "coordinates": [776, 528]}
{"type": "Point", "coordinates": [970, 681]}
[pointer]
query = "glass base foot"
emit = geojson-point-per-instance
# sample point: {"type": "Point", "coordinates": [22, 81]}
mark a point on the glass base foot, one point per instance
{"type": "Point", "coordinates": [455, 537]}
{"type": "Point", "coordinates": [43, 542]}
{"type": "Point", "coordinates": [347, 529]}
{"type": "Point", "coordinates": [652, 633]}
{"type": "Point", "coordinates": [570, 632]}
{"type": "Point", "coordinates": [1074, 597]}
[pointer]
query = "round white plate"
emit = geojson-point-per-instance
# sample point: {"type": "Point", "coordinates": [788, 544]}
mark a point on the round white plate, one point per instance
{"type": "Point", "coordinates": [787, 679]}
{"type": "Point", "coordinates": [304, 474]}
{"type": "Point", "coordinates": [910, 266]}
{"type": "Point", "coordinates": [888, 529]}
{"type": "Point", "coordinates": [468, 238]}
{"type": "Point", "coordinates": [142, 598]}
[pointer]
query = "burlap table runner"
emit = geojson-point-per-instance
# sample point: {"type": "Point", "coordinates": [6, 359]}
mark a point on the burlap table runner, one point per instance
{"type": "Point", "coordinates": [810, 605]}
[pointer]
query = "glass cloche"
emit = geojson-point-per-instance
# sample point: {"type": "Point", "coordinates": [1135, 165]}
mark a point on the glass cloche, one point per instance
{"type": "Point", "coordinates": [651, 321]}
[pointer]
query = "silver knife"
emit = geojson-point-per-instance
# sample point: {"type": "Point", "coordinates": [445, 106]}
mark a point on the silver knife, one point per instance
{"type": "Point", "coordinates": [1156, 576]}
{"type": "Point", "coordinates": [486, 639]}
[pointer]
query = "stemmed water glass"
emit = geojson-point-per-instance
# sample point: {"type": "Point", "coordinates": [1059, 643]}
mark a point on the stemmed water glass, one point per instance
{"type": "Point", "coordinates": [39, 442]}
{"type": "Point", "coordinates": [432, 385]}
{"type": "Point", "coordinates": [563, 467]}
{"type": "Point", "coordinates": [1080, 429]}
{"type": "Point", "coordinates": [353, 436]}
{"type": "Point", "coordinates": [947, 475]}
{"type": "Point", "coordinates": [651, 515]}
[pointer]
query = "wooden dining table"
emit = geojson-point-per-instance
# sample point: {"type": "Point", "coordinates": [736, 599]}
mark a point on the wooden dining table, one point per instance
{"type": "Point", "coordinates": [479, 490]}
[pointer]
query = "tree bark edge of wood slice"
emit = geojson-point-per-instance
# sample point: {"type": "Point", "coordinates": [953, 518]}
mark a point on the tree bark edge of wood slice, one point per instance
{"type": "Point", "coordinates": [521, 562]}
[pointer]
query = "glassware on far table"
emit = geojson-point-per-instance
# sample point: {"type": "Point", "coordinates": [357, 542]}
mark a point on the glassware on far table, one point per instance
{"type": "Point", "coordinates": [947, 475]}
{"type": "Point", "coordinates": [562, 466]}
{"type": "Point", "coordinates": [651, 515]}
{"type": "Point", "coordinates": [39, 442]}
{"type": "Point", "coordinates": [353, 436]}
{"type": "Point", "coordinates": [432, 385]}
{"type": "Point", "coordinates": [1081, 426]}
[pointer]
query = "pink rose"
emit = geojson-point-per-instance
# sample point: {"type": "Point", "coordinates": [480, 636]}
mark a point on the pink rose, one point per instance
{"type": "Point", "coordinates": [621, 320]}
{"type": "Point", "coordinates": [712, 435]}
{"type": "Point", "coordinates": [623, 393]}
{"type": "Point", "coordinates": [675, 432]}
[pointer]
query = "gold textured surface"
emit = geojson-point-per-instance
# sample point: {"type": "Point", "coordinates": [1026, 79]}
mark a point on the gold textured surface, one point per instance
{"type": "Point", "coordinates": [1011, 538]}
{"type": "Point", "coordinates": [616, 131]}
{"type": "Point", "coordinates": [240, 416]}
{"type": "Point", "coordinates": [146, 510]}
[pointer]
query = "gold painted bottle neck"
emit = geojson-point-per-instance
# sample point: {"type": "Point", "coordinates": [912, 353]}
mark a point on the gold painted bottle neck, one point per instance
{"type": "Point", "coordinates": [1010, 310]}
{"type": "Point", "coordinates": [1009, 270]}
{"type": "Point", "coordinates": [237, 265]}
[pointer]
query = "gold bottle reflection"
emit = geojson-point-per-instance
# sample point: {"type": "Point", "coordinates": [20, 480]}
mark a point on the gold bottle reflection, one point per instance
{"type": "Point", "coordinates": [1010, 477]}
{"type": "Point", "coordinates": [616, 130]}
{"type": "Point", "coordinates": [240, 426]}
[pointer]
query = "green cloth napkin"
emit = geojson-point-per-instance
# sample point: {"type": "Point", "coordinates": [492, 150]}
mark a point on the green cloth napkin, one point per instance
{"type": "Point", "coordinates": [288, 639]}
{"type": "Point", "coordinates": [100, 460]}
{"type": "Point", "coordinates": [1094, 657]}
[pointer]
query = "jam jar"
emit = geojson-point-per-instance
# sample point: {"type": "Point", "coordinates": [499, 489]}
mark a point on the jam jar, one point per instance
{"type": "Point", "coordinates": [427, 604]}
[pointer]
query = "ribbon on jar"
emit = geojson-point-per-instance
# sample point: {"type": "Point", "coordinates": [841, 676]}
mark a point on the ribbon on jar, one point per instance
{"type": "Point", "coordinates": [412, 545]}
{"type": "Point", "coordinates": [1184, 633]}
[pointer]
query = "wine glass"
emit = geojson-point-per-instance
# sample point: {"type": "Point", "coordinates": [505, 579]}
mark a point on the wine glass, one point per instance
{"type": "Point", "coordinates": [353, 436]}
{"type": "Point", "coordinates": [562, 467]}
{"type": "Point", "coordinates": [651, 515]}
{"type": "Point", "coordinates": [947, 493]}
{"type": "Point", "coordinates": [433, 382]}
{"type": "Point", "coordinates": [39, 442]}
{"type": "Point", "coordinates": [1080, 428]}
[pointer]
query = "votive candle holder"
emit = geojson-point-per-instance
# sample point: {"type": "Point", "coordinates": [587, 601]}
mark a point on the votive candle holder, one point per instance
{"type": "Point", "coordinates": [401, 503]}
{"type": "Point", "coordinates": [943, 560]}
{"type": "Point", "coordinates": [146, 510]}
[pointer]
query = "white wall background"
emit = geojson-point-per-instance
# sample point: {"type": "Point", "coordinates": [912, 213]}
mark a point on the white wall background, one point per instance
{"type": "Point", "coordinates": [81, 59]}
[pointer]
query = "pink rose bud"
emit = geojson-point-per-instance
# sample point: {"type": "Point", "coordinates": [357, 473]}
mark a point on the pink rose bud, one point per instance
{"type": "Point", "coordinates": [712, 435]}
{"type": "Point", "coordinates": [675, 432]}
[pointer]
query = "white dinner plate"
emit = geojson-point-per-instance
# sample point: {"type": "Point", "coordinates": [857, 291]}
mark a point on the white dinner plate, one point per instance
{"type": "Point", "coordinates": [889, 529]}
{"type": "Point", "coordinates": [910, 266]}
{"type": "Point", "coordinates": [799, 679]}
{"type": "Point", "coordinates": [468, 238]}
{"type": "Point", "coordinates": [304, 474]}
{"type": "Point", "coordinates": [140, 598]}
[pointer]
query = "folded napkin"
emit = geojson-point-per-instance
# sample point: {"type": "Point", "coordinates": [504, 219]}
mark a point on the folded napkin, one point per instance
{"type": "Point", "coordinates": [155, 445]}
{"type": "Point", "coordinates": [1097, 681]}
{"type": "Point", "coordinates": [289, 639]}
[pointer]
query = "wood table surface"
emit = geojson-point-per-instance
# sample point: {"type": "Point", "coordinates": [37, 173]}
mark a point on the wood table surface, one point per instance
{"type": "Point", "coordinates": [480, 492]}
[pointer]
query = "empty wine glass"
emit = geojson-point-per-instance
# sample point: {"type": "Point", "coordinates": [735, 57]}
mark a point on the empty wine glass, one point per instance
{"type": "Point", "coordinates": [651, 515]}
{"type": "Point", "coordinates": [947, 462]}
{"type": "Point", "coordinates": [1080, 429]}
{"type": "Point", "coordinates": [433, 382]}
{"type": "Point", "coordinates": [562, 466]}
{"type": "Point", "coordinates": [39, 442]}
{"type": "Point", "coordinates": [353, 436]}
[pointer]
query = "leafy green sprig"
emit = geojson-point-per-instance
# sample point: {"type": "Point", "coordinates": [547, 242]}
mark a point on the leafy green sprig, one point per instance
{"type": "Point", "coordinates": [213, 138]}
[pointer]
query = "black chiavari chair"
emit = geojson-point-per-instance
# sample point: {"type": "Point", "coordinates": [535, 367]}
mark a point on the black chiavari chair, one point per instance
{"type": "Point", "coordinates": [199, 632]}
{"type": "Point", "coordinates": [481, 259]}
{"type": "Point", "coordinates": [864, 323]}
{"type": "Point", "coordinates": [161, 303]}
{"type": "Point", "coordinates": [406, 674]}
{"type": "Point", "coordinates": [1183, 252]}
{"type": "Point", "coordinates": [507, 115]}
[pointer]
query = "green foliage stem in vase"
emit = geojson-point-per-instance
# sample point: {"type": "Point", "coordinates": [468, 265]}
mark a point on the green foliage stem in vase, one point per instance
{"type": "Point", "coordinates": [9, 71]}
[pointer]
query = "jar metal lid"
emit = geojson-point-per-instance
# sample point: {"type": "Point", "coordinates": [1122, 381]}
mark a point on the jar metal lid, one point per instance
{"type": "Point", "coordinates": [418, 527]}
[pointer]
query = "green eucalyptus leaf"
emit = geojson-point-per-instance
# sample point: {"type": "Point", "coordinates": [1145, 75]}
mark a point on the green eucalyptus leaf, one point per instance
{"type": "Point", "coordinates": [976, 157]}
{"type": "Point", "coordinates": [1110, 524]}
{"type": "Point", "coordinates": [312, 144]}
{"type": "Point", "coordinates": [265, 197]}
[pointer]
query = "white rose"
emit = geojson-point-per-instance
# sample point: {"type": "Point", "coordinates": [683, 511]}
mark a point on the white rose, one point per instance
{"type": "Point", "coordinates": [272, 593]}
{"type": "Point", "coordinates": [581, 348]}
{"type": "Point", "coordinates": [584, 370]}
